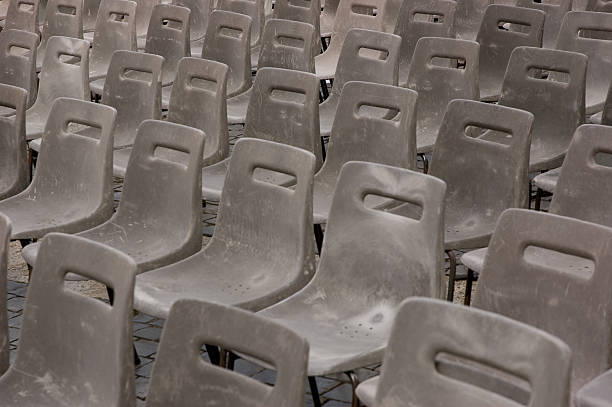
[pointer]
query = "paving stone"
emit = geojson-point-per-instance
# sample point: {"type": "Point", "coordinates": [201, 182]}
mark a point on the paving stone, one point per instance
{"type": "Point", "coordinates": [143, 318]}
{"type": "Point", "coordinates": [246, 367]}
{"type": "Point", "coordinates": [344, 392]}
{"type": "Point", "coordinates": [142, 387]}
{"type": "Point", "coordinates": [13, 334]}
{"type": "Point", "coordinates": [15, 304]}
{"type": "Point", "coordinates": [152, 333]}
{"type": "Point", "coordinates": [266, 376]}
{"type": "Point", "coordinates": [15, 322]}
{"type": "Point", "coordinates": [145, 348]}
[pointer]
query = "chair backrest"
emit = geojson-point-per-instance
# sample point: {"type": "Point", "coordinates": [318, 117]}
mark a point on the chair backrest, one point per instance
{"type": "Point", "coordinates": [198, 100]}
{"type": "Point", "coordinates": [364, 14]}
{"type": "Point", "coordinates": [144, 10]}
{"type": "Point", "coordinates": [288, 44]}
{"type": "Point", "coordinates": [163, 182]}
{"type": "Point", "coordinates": [438, 79]}
{"type": "Point", "coordinates": [408, 255]}
{"type": "Point", "coordinates": [552, 272]}
{"type": "Point", "coordinates": [65, 72]}
{"type": "Point", "coordinates": [133, 87]}
{"type": "Point", "coordinates": [555, 11]}
{"type": "Point", "coordinates": [14, 168]}
{"type": "Point", "coordinates": [115, 30]}
{"type": "Point", "coordinates": [168, 36]}
{"type": "Point", "coordinates": [425, 329]}
{"type": "Point", "coordinates": [5, 238]}
{"type": "Point", "coordinates": [495, 176]}
{"type": "Point", "coordinates": [275, 222]}
{"type": "Point", "coordinates": [368, 56]}
{"type": "Point", "coordinates": [468, 18]}
{"type": "Point", "coordinates": [284, 108]}
{"type": "Point", "coordinates": [303, 11]}
{"type": "Point", "coordinates": [198, 17]}
{"type": "Point", "coordinates": [62, 18]}
{"type": "Point", "coordinates": [18, 67]}
{"type": "Point", "coordinates": [89, 179]}
{"type": "Point", "coordinates": [90, 14]}
{"type": "Point", "coordinates": [61, 327]}
{"type": "Point", "coordinates": [192, 321]}
{"type": "Point", "coordinates": [22, 15]}
{"type": "Point", "coordinates": [422, 18]}
{"type": "Point", "coordinates": [525, 27]}
{"type": "Point", "coordinates": [574, 37]}
{"type": "Point", "coordinates": [360, 134]}
{"type": "Point", "coordinates": [582, 190]}
{"type": "Point", "coordinates": [523, 88]}
{"type": "Point", "coordinates": [228, 39]}
{"type": "Point", "coordinates": [251, 8]}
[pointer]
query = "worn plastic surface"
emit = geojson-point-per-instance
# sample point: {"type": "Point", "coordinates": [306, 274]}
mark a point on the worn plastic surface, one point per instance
{"type": "Point", "coordinates": [252, 8]}
{"type": "Point", "coordinates": [262, 250]}
{"type": "Point", "coordinates": [198, 17]}
{"type": "Point", "coordinates": [16, 67]}
{"type": "Point", "coordinates": [306, 11]}
{"type": "Point", "coordinates": [144, 11]}
{"type": "Point", "coordinates": [23, 15]}
{"type": "Point", "coordinates": [195, 323]}
{"type": "Point", "coordinates": [62, 18]}
{"type": "Point", "coordinates": [523, 27]}
{"type": "Point", "coordinates": [55, 364]}
{"type": "Point", "coordinates": [367, 67]}
{"type": "Point", "coordinates": [284, 109]}
{"type": "Point", "coordinates": [372, 136]}
{"type": "Point", "coordinates": [596, 393]}
{"type": "Point", "coordinates": [14, 169]}
{"type": "Point", "coordinates": [345, 312]}
{"type": "Point", "coordinates": [64, 74]}
{"type": "Point", "coordinates": [555, 11]}
{"type": "Point", "coordinates": [434, 74]}
{"type": "Point", "coordinates": [5, 234]}
{"type": "Point", "coordinates": [535, 272]}
{"type": "Point", "coordinates": [468, 18]}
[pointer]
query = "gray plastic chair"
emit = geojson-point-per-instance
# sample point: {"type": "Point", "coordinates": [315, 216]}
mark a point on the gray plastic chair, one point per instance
{"type": "Point", "coordinates": [90, 14]}
{"type": "Point", "coordinates": [437, 83]}
{"type": "Point", "coordinates": [62, 18]}
{"type": "Point", "coordinates": [359, 135]}
{"type": "Point", "coordinates": [422, 18]}
{"type": "Point", "coordinates": [351, 14]}
{"type": "Point", "coordinates": [556, 122]}
{"type": "Point", "coordinates": [194, 321]}
{"type": "Point", "coordinates": [14, 168]}
{"type": "Point", "coordinates": [144, 11]}
{"type": "Point", "coordinates": [424, 328]}
{"type": "Point", "coordinates": [262, 250]}
{"type": "Point", "coordinates": [346, 311]}
{"type": "Point", "coordinates": [596, 393]}
{"type": "Point", "coordinates": [255, 10]}
{"type": "Point", "coordinates": [468, 18]}
{"type": "Point", "coordinates": [22, 15]}
{"type": "Point", "coordinates": [524, 28]}
{"type": "Point", "coordinates": [18, 68]}
{"type": "Point", "coordinates": [283, 109]}
{"type": "Point", "coordinates": [286, 44]}
{"type": "Point", "coordinates": [228, 41]}
{"type": "Point", "coordinates": [555, 11]}
{"type": "Point", "coordinates": [596, 49]}
{"type": "Point", "coordinates": [328, 17]}
{"type": "Point", "coordinates": [198, 17]}
{"type": "Point", "coordinates": [74, 350]}
{"type": "Point", "coordinates": [65, 194]}
{"type": "Point", "coordinates": [64, 74]}
{"type": "Point", "coordinates": [305, 11]}
{"type": "Point", "coordinates": [4, 9]}
{"type": "Point", "coordinates": [5, 233]}
{"type": "Point", "coordinates": [551, 272]}
{"type": "Point", "coordinates": [355, 66]}
{"type": "Point", "coordinates": [115, 30]}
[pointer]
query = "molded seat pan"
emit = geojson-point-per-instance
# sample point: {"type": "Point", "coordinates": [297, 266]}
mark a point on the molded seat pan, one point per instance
{"type": "Point", "coordinates": [326, 63]}
{"type": "Point", "coordinates": [237, 107]}
{"type": "Point", "coordinates": [548, 181]}
{"type": "Point", "coordinates": [327, 114]}
{"type": "Point", "coordinates": [474, 260]}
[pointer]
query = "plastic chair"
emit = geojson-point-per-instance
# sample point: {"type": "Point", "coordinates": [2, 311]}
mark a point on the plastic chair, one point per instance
{"type": "Point", "coordinates": [328, 17]}
{"type": "Point", "coordinates": [228, 41]}
{"type": "Point", "coordinates": [304, 11]}
{"type": "Point", "coordinates": [14, 168]}
{"type": "Point", "coordinates": [62, 18]}
{"type": "Point", "coordinates": [262, 250]}
{"type": "Point", "coordinates": [198, 17]}
{"type": "Point", "coordinates": [422, 18]}
{"type": "Point", "coordinates": [354, 65]}
{"type": "Point", "coordinates": [346, 311]}
{"type": "Point", "coordinates": [436, 76]}
{"type": "Point", "coordinates": [426, 329]}
{"type": "Point", "coordinates": [286, 44]}
{"type": "Point", "coordinates": [283, 109]}
{"type": "Point", "coordinates": [73, 349]}
{"type": "Point", "coordinates": [144, 11]}
{"type": "Point", "coordinates": [195, 321]}
{"type": "Point", "coordinates": [22, 15]}
{"type": "Point", "coordinates": [115, 30]}
{"type": "Point", "coordinates": [255, 10]}
{"type": "Point", "coordinates": [4, 4]}
{"type": "Point", "coordinates": [555, 11]}
{"type": "Point", "coordinates": [503, 29]}
{"type": "Point", "coordinates": [5, 233]}
{"type": "Point", "coordinates": [362, 135]}
{"type": "Point", "coordinates": [67, 195]}
{"type": "Point", "coordinates": [18, 68]}
{"type": "Point", "coordinates": [571, 38]}
{"type": "Point", "coordinates": [468, 18]}
{"type": "Point", "coordinates": [524, 88]}
{"type": "Point", "coordinates": [90, 14]}
{"type": "Point", "coordinates": [535, 273]}
{"type": "Point", "coordinates": [64, 74]}
{"type": "Point", "coordinates": [364, 14]}
{"type": "Point", "coordinates": [596, 393]}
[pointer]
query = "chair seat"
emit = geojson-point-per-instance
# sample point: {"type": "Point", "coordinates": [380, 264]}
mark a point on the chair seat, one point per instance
{"type": "Point", "coordinates": [594, 99]}
{"type": "Point", "coordinates": [165, 96]}
{"type": "Point", "coordinates": [34, 145]}
{"type": "Point", "coordinates": [366, 391]}
{"type": "Point", "coordinates": [97, 86]}
{"type": "Point", "coordinates": [326, 63]}
{"type": "Point", "coordinates": [465, 236]}
{"type": "Point", "coordinates": [427, 133]}
{"type": "Point", "coordinates": [30, 252]}
{"type": "Point", "coordinates": [327, 24]}
{"type": "Point", "coordinates": [35, 123]}
{"type": "Point", "coordinates": [255, 57]}
{"type": "Point", "coordinates": [237, 107]}
{"type": "Point", "coordinates": [120, 161]}
{"type": "Point", "coordinates": [474, 260]}
{"type": "Point", "coordinates": [548, 181]}
{"type": "Point", "coordinates": [321, 201]}
{"type": "Point", "coordinates": [327, 114]}
{"type": "Point", "coordinates": [213, 178]}
{"type": "Point", "coordinates": [597, 393]}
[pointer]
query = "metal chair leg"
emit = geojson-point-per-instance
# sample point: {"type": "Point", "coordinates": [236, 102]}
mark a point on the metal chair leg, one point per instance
{"type": "Point", "coordinates": [314, 391]}
{"type": "Point", "coordinates": [538, 199]}
{"type": "Point", "coordinates": [318, 232]}
{"type": "Point", "coordinates": [468, 287]}
{"type": "Point", "coordinates": [451, 275]}
{"type": "Point", "coordinates": [354, 383]}
{"type": "Point", "coordinates": [425, 162]}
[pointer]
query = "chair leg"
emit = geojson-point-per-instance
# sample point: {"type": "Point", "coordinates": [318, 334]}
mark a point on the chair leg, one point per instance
{"type": "Point", "coordinates": [425, 162]}
{"type": "Point", "coordinates": [468, 287]}
{"type": "Point", "coordinates": [314, 390]}
{"type": "Point", "coordinates": [324, 89]}
{"type": "Point", "coordinates": [538, 199]}
{"type": "Point", "coordinates": [354, 383]}
{"type": "Point", "coordinates": [451, 275]}
{"type": "Point", "coordinates": [318, 232]}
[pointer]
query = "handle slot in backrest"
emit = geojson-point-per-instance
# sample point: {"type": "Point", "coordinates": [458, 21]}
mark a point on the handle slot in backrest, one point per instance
{"type": "Point", "coordinates": [514, 26]}
{"type": "Point", "coordinates": [288, 95]}
{"type": "Point", "coordinates": [18, 51]}
{"type": "Point", "coordinates": [365, 10]}
{"type": "Point", "coordinates": [137, 74]}
{"type": "Point", "coordinates": [118, 17]}
{"type": "Point", "coordinates": [596, 34]}
{"type": "Point", "coordinates": [476, 130]}
{"type": "Point", "coordinates": [171, 154]}
{"type": "Point", "coordinates": [98, 291]}
{"type": "Point", "coordinates": [70, 59]}
{"type": "Point", "coordinates": [300, 3]}
{"type": "Point", "coordinates": [70, 10]}
{"type": "Point", "coordinates": [427, 17]}
{"type": "Point", "coordinates": [411, 209]}
{"type": "Point", "coordinates": [378, 111]}
{"type": "Point", "coordinates": [172, 24]}
{"type": "Point", "coordinates": [83, 129]}
{"type": "Point", "coordinates": [567, 262]}
{"type": "Point", "coordinates": [292, 41]}
{"type": "Point", "coordinates": [603, 159]}
{"type": "Point", "coordinates": [546, 74]}
{"type": "Point", "coordinates": [203, 84]}
{"type": "Point", "coordinates": [26, 6]}
{"type": "Point", "coordinates": [440, 61]}
{"type": "Point", "coordinates": [230, 32]}
{"type": "Point", "coordinates": [269, 175]}
{"type": "Point", "coordinates": [378, 54]}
